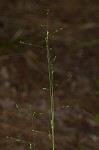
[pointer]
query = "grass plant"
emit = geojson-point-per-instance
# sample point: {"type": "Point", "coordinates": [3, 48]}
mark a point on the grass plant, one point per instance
{"type": "Point", "coordinates": [50, 65]}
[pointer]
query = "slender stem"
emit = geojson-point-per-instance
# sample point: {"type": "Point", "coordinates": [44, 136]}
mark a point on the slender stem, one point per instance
{"type": "Point", "coordinates": [51, 72]}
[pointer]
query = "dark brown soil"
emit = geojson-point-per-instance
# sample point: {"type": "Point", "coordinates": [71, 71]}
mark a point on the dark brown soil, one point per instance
{"type": "Point", "coordinates": [23, 73]}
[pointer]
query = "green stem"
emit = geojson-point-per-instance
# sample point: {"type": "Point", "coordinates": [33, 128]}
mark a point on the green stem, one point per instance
{"type": "Point", "coordinates": [50, 71]}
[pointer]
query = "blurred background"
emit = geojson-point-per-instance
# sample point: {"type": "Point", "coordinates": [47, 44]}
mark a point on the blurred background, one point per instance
{"type": "Point", "coordinates": [24, 74]}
